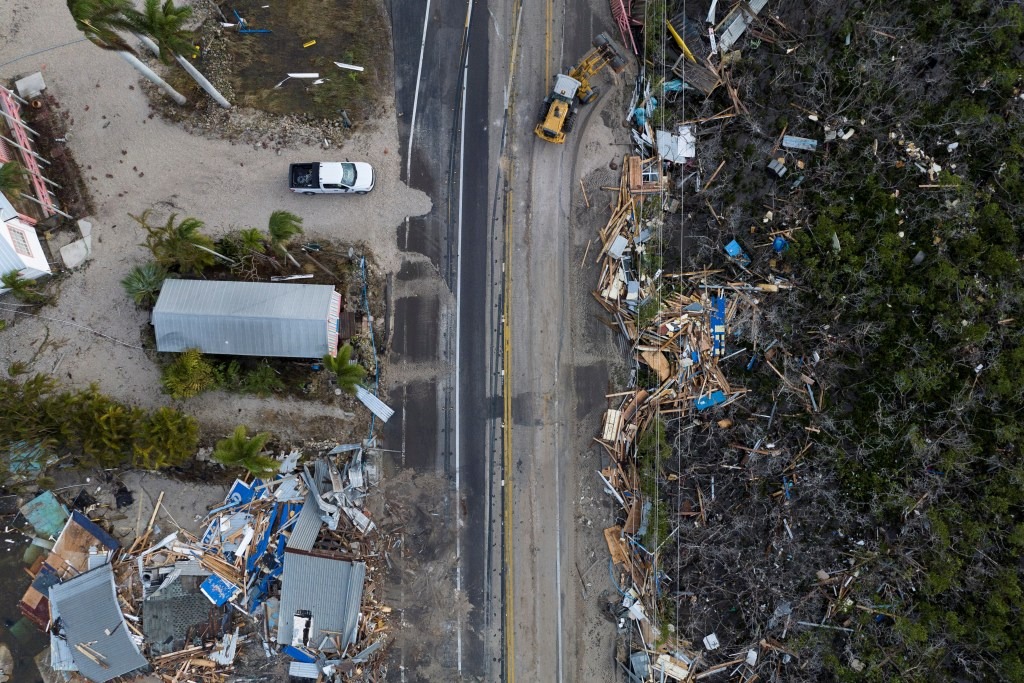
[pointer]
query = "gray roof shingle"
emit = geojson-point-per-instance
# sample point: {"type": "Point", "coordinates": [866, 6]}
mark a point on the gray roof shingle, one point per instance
{"type": "Point", "coordinates": [89, 615]}
{"type": "Point", "coordinates": [331, 589]}
{"type": "Point", "coordinates": [271, 319]}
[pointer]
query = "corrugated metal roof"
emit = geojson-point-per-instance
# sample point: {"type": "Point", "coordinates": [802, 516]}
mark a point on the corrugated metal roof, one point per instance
{"type": "Point", "coordinates": [88, 609]}
{"type": "Point", "coordinates": [331, 589]}
{"type": "Point", "coordinates": [307, 526]}
{"type": "Point", "coordinates": [272, 319]}
{"type": "Point", "coordinates": [736, 23]}
{"type": "Point", "coordinates": [376, 406]}
{"type": "Point", "coordinates": [303, 670]}
{"type": "Point", "coordinates": [60, 655]}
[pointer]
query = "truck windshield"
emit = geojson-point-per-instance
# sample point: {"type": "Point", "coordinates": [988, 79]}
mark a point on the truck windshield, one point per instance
{"type": "Point", "coordinates": [348, 174]}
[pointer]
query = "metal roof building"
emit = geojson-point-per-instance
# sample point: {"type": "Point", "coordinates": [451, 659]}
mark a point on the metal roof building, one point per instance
{"type": "Point", "coordinates": [270, 319]}
{"type": "Point", "coordinates": [93, 626]}
{"type": "Point", "coordinates": [331, 590]}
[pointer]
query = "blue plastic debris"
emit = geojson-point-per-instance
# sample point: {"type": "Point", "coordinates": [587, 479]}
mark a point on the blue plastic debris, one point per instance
{"type": "Point", "coordinates": [779, 244]}
{"type": "Point", "coordinates": [243, 25]}
{"type": "Point", "coordinates": [218, 590]}
{"type": "Point", "coordinates": [298, 654]}
{"type": "Point", "coordinates": [735, 252]}
{"type": "Point", "coordinates": [718, 326]}
{"type": "Point", "coordinates": [713, 399]}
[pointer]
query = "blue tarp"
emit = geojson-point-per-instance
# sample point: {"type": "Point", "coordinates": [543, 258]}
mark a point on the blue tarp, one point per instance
{"type": "Point", "coordinates": [298, 654]}
{"type": "Point", "coordinates": [736, 253]}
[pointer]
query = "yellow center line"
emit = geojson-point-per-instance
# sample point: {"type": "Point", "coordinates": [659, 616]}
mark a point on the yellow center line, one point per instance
{"type": "Point", "coordinates": [510, 661]}
{"type": "Point", "coordinates": [506, 329]}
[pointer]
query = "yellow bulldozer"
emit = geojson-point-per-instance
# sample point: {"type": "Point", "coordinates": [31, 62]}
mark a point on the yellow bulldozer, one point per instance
{"type": "Point", "coordinates": [560, 107]}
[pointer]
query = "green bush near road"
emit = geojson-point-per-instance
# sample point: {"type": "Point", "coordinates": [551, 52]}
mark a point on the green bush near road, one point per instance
{"type": "Point", "coordinates": [92, 428]}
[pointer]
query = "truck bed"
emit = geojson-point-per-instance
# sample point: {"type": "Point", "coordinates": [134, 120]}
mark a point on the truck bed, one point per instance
{"type": "Point", "coordinates": [303, 176]}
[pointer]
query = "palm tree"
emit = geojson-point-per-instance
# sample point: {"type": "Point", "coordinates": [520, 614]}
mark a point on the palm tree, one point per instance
{"type": "Point", "coordinates": [12, 178]}
{"type": "Point", "coordinates": [159, 27]}
{"type": "Point", "coordinates": [283, 226]}
{"type": "Point", "coordinates": [143, 283]}
{"type": "Point", "coordinates": [238, 450]}
{"type": "Point", "coordinates": [251, 240]}
{"type": "Point", "coordinates": [101, 21]}
{"type": "Point", "coordinates": [349, 374]}
{"type": "Point", "coordinates": [180, 245]}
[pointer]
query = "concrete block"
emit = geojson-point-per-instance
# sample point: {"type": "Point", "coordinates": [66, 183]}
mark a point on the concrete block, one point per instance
{"type": "Point", "coordinates": [75, 254]}
{"type": "Point", "coordinates": [30, 86]}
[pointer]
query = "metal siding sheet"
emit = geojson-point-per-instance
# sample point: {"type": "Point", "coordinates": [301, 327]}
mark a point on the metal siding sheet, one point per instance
{"type": "Point", "coordinates": [376, 406]}
{"type": "Point", "coordinates": [307, 526]}
{"type": "Point", "coordinates": [307, 580]}
{"type": "Point", "coordinates": [303, 670]}
{"type": "Point", "coordinates": [794, 142]}
{"type": "Point", "coordinates": [244, 318]}
{"type": "Point", "coordinates": [88, 605]}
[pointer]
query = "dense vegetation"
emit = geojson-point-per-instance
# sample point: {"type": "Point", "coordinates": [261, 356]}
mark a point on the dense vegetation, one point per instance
{"type": "Point", "coordinates": [928, 350]}
{"type": "Point", "coordinates": [906, 252]}
{"type": "Point", "coordinates": [92, 429]}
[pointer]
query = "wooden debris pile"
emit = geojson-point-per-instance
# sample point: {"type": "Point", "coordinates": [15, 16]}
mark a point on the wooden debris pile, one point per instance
{"type": "Point", "coordinates": [676, 326]}
{"type": "Point", "coordinates": [194, 602]}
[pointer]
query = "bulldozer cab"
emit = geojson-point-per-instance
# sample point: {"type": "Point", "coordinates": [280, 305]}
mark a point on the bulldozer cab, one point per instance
{"type": "Point", "coordinates": [566, 87]}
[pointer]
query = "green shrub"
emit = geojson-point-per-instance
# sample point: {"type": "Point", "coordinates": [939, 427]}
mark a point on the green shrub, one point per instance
{"type": "Point", "coordinates": [190, 374]}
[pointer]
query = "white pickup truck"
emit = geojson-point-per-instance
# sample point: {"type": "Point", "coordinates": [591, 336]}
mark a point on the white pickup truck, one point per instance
{"type": "Point", "coordinates": [331, 177]}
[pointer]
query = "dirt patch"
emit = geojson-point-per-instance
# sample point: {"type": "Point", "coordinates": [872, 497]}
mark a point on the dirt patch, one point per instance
{"type": "Point", "coordinates": [421, 564]}
{"type": "Point", "coordinates": [246, 66]}
{"type": "Point", "coordinates": [348, 31]}
{"type": "Point", "coordinates": [52, 124]}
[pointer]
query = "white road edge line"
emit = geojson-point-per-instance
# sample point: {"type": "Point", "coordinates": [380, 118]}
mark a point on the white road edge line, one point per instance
{"type": "Point", "coordinates": [559, 584]}
{"type": "Point", "coordinates": [404, 424]}
{"type": "Point", "coordinates": [416, 96]}
{"type": "Point", "coordinates": [458, 334]}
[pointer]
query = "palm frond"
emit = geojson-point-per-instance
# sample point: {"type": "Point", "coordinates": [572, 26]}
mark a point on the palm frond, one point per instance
{"type": "Point", "coordinates": [282, 227]}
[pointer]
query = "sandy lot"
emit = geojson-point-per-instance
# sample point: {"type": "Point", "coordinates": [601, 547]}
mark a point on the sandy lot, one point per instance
{"type": "Point", "coordinates": [133, 161]}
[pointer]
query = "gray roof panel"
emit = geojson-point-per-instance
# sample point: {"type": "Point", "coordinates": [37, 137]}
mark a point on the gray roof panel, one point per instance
{"type": "Point", "coordinates": [247, 318]}
{"type": "Point", "coordinates": [90, 615]}
{"type": "Point", "coordinates": [331, 589]}
{"type": "Point", "coordinates": [307, 526]}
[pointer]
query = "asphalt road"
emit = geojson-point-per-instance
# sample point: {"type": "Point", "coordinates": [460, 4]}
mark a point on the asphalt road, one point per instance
{"type": "Point", "coordinates": [547, 368]}
{"type": "Point", "coordinates": [469, 79]}
{"type": "Point", "coordinates": [443, 389]}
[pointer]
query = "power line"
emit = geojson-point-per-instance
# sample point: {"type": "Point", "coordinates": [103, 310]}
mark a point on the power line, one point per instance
{"type": "Point", "coordinates": [17, 311]}
{"type": "Point", "coordinates": [45, 49]}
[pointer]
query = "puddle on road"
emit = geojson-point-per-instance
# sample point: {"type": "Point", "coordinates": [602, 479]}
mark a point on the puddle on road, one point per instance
{"type": "Point", "coordinates": [349, 31]}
